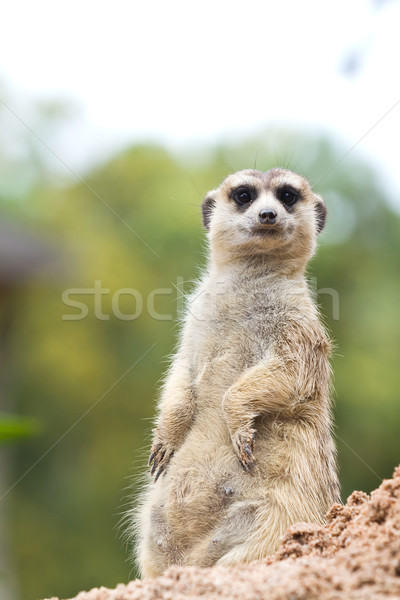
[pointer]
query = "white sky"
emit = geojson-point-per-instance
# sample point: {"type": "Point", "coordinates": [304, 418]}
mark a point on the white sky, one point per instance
{"type": "Point", "coordinates": [181, 72]}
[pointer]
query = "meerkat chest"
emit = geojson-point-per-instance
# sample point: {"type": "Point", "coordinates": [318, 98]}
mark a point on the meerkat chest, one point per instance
{"type": "Point", "coordinates": [231, 330]}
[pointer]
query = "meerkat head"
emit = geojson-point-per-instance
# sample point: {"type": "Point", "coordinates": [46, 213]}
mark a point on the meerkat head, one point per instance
{"type": "Point", "coordinates": [275, 214]}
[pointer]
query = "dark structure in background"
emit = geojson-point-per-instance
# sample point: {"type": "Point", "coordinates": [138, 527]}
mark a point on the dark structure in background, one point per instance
{"type": "Point", "coordinates": [24, 257]}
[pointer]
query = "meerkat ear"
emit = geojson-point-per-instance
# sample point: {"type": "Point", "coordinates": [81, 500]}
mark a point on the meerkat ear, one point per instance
{"type": "Point", "coordinates": [207, 208]}
{"type": "Point", "coordinates": [321, 212]}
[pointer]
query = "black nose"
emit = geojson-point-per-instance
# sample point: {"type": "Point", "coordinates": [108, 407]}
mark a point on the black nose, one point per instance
{"type": "Point", "coordinates": [267, 217]}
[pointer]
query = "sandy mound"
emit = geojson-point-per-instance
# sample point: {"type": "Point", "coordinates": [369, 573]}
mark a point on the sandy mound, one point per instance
{"type": "Point", "coordinates": [355, 556]}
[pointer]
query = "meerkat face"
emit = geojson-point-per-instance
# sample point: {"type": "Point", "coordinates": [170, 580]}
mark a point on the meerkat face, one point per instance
{"type": "Point", "coordinates": [275, 213]}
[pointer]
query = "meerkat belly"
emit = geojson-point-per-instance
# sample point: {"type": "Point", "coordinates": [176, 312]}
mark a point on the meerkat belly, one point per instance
{"type": "Point", "coordinates": [204, 489]}
{"type": "Point", "coordinates": [204, 476]}
{"type": "Point", "coordinates": [205, 504]}
{"type": "Point", "coordinates": [199, 483]}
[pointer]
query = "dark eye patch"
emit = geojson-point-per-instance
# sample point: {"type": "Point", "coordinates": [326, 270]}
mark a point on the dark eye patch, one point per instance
{"type": "Point", "coordinates": [243, 196]}
{"type": "Point", "coordinates": [288, 195]}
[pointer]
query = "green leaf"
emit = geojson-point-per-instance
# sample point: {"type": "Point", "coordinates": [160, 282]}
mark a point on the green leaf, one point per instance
{"type": "Point", "coordinates": [14, 428]}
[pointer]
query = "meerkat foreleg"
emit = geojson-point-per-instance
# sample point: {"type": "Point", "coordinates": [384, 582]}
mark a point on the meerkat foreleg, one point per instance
{"type": "Point", "coordinates": [176, 412]}
{"type": "Point", "coordinates": [264, 388]}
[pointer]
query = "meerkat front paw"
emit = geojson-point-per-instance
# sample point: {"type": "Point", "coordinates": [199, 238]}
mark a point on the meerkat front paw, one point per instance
{"type": "Point", "coordinates": [160, 455]}
{"type": "Point", "coordinates": [243, 443]}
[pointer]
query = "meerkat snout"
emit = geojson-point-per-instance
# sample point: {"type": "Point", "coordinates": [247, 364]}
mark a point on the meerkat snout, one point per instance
{"type": "Point", "coordinates": [267, 216]}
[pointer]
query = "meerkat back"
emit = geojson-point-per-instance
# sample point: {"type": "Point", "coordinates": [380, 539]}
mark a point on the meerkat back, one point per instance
{"type": "Point", "coordinates": [242, 445]}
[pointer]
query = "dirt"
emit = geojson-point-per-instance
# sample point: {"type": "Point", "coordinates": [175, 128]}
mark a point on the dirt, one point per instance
{"type": "Point", "coordinates": [356, 555]}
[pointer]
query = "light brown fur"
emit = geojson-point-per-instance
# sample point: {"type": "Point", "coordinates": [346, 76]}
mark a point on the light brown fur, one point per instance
{"type": "Point", "coordinates": [242, 446]}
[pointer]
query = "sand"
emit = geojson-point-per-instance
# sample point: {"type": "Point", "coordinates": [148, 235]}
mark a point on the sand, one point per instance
{"type": "Point", "coordinates": [356, 555]}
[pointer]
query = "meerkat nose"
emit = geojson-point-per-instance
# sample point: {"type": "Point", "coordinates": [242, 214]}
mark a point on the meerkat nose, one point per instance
{"type": "Point", "coordinates": [267, 216]}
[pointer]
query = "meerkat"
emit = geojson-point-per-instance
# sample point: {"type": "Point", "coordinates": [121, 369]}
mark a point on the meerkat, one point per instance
{"type": "Point", "coordinates": [242, 445]}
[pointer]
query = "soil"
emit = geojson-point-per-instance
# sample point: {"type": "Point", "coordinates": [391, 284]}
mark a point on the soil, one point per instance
{"type": "Point", "coordinates": [356, 555]}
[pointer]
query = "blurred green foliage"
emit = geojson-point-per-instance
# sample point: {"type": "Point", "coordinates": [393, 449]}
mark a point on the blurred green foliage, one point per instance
{"type": "Point", "coordinates": [14, 428]}
{"type": "Point", "coordinates": [135, 223]}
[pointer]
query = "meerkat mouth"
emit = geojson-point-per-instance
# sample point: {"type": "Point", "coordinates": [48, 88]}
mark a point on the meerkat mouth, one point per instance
{"type": "Point", "coordinates": [267, 231]}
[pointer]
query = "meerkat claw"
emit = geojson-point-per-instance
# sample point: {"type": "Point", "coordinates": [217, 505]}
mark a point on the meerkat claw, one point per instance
{"type": "Point", "coordinates": [244, 444]}
{"type": "Point", "coordinates": [247, 468]}
{"type": "Point", "coordinates": [248, 462]}
{"type": "Point", "coordinates": [159, 472]}
{"type": "Point", "coordinates": [159, 459]}
{"type": "Point", "coordinates": [248, 451]}
{"type": "Point", "coordinates": [155, 449]}
{"type": "Point", "coordinates": [163, 464]}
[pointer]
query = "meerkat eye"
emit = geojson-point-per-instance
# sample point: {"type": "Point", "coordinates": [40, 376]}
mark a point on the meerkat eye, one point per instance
{"type": "Point", "coordinates": [288, 196]}
{"type": "Point", "coordinates": [242, 196]}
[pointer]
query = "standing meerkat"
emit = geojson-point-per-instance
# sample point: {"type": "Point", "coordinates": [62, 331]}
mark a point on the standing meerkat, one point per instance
{"type": "Point", "coordinates": [242, 447]}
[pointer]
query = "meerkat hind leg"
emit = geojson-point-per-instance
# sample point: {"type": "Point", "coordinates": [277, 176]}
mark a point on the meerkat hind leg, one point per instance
{"type": "Point", "coordinates": [233, 532]}
{"type": "Point", "coordinates": [263, 536]}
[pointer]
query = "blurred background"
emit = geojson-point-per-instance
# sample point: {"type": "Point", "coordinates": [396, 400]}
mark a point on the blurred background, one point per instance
{"type": "Point", "coordinates": [115, 120]}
